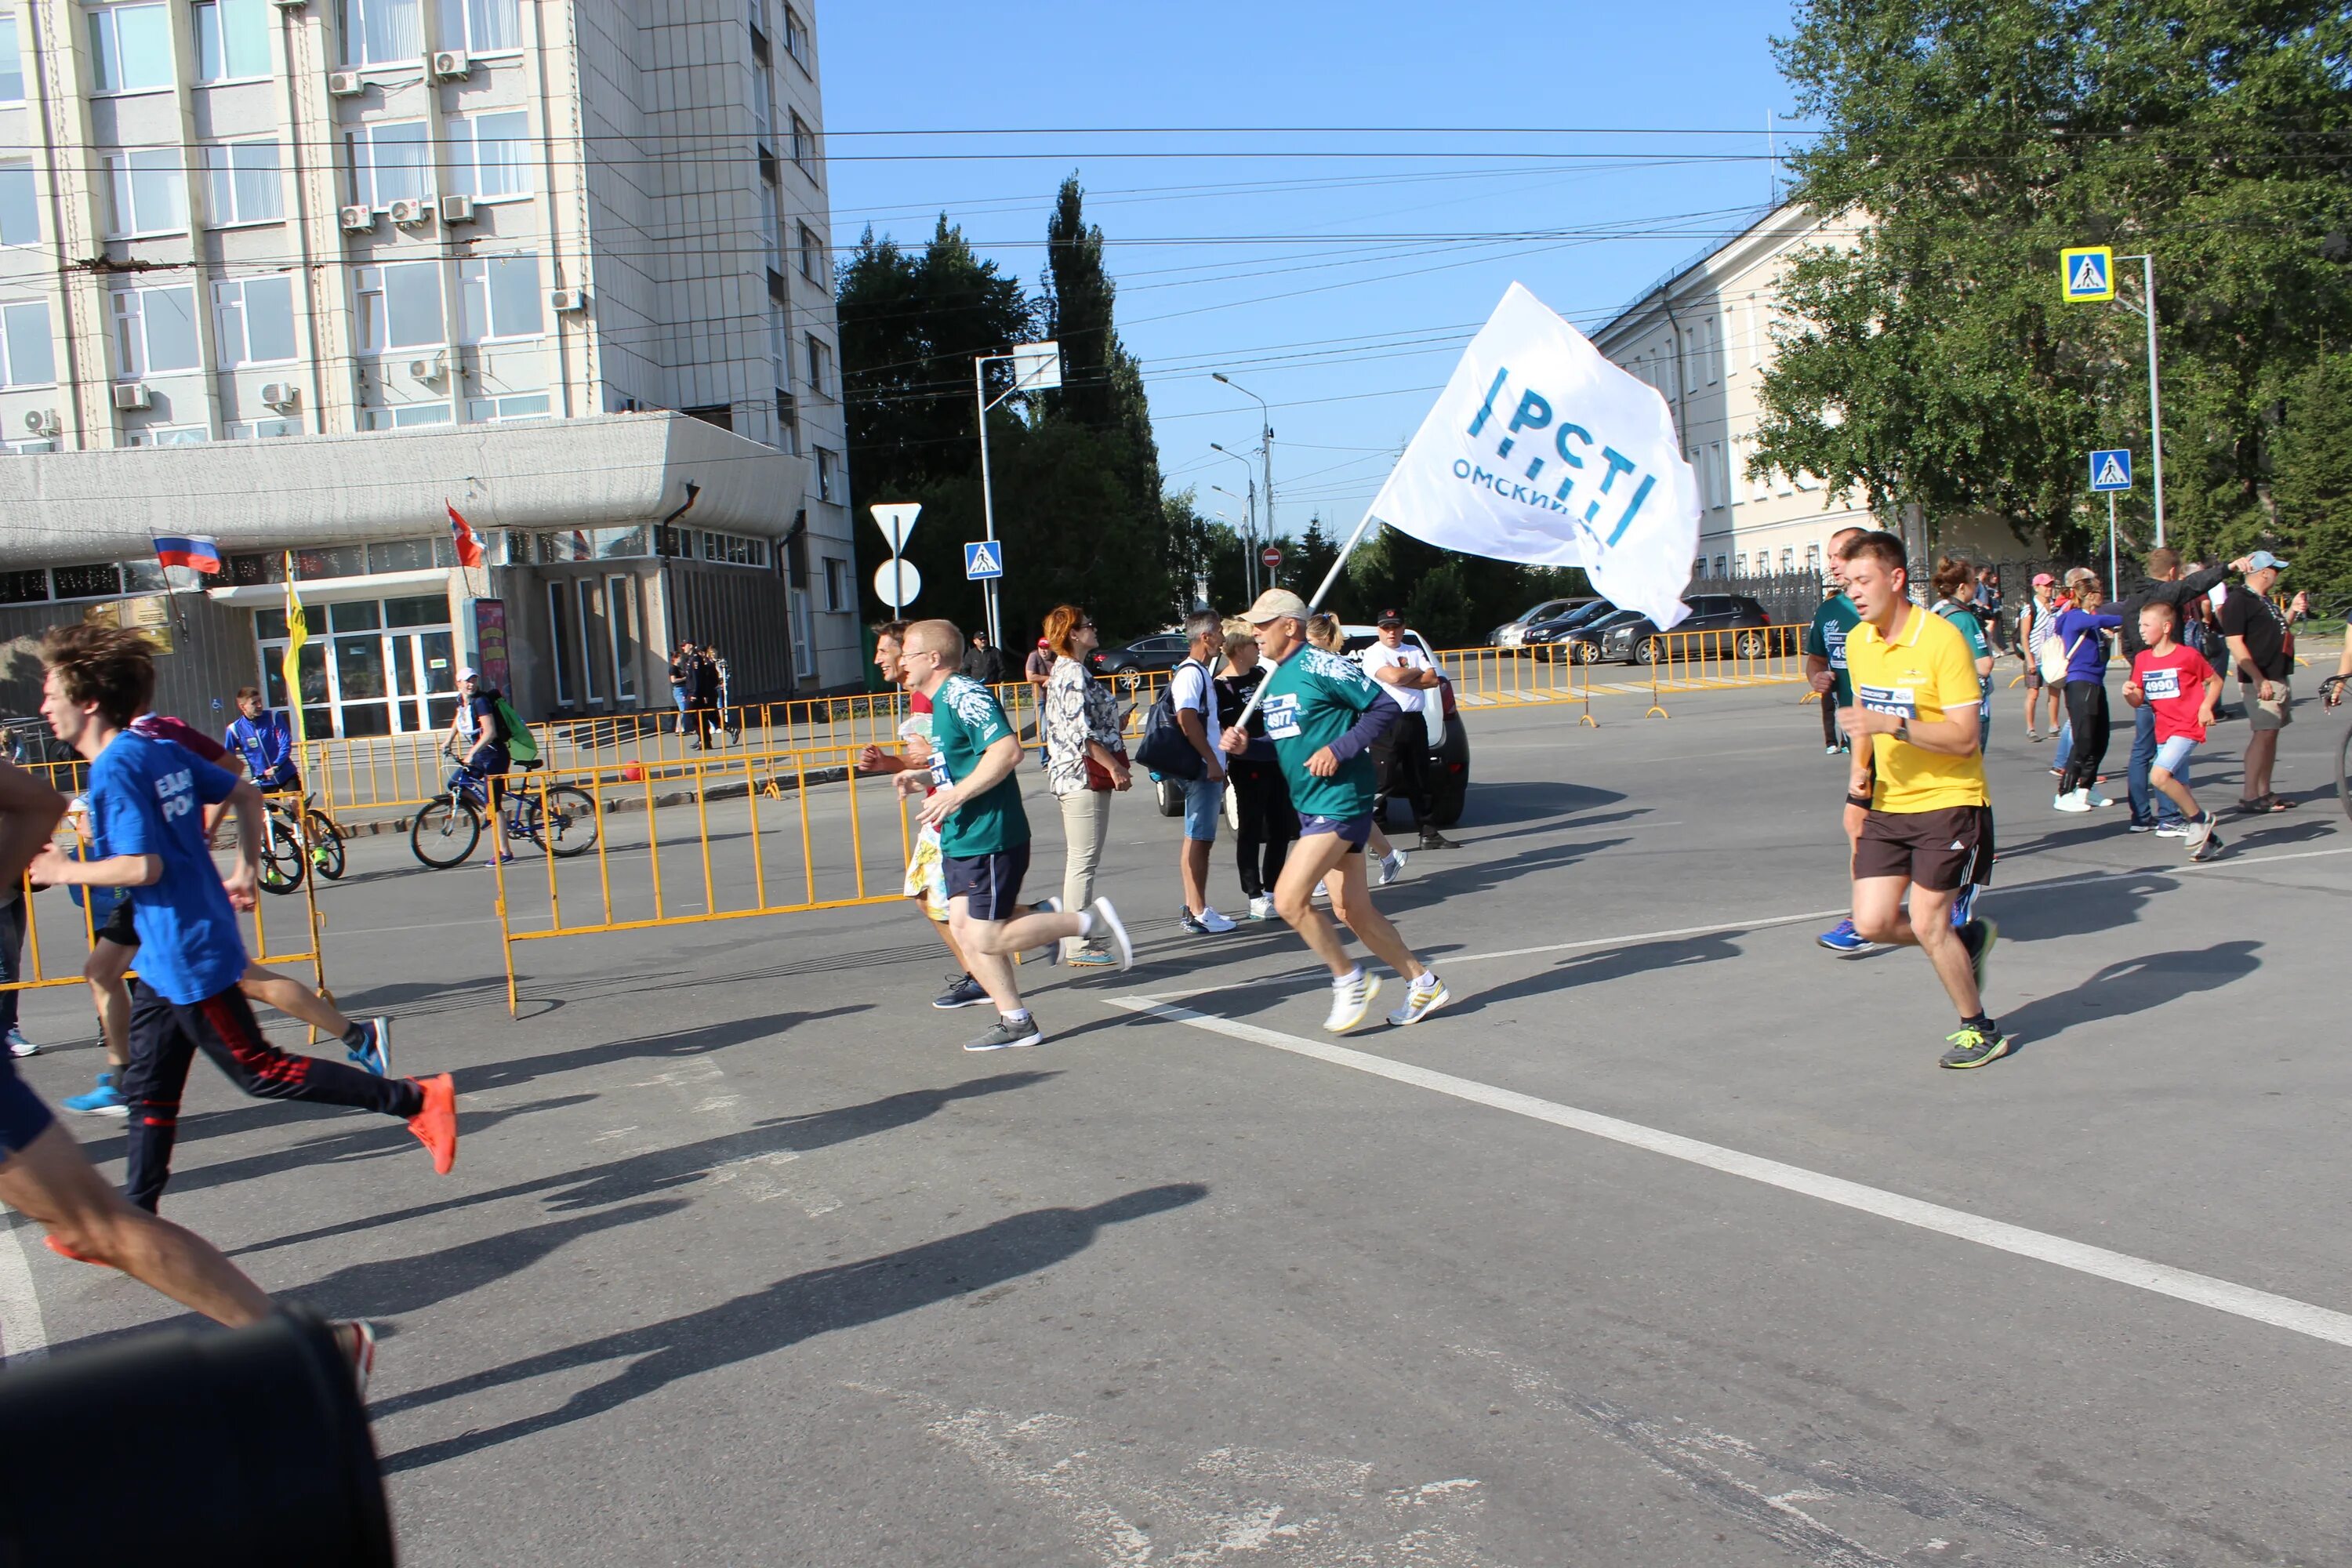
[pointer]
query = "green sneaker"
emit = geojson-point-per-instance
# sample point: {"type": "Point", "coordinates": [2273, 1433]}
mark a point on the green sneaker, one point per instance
{"type": "Point", "coordinates": [1972, 1048]}
{"type": "Point", "coordinates": [1977, 936]}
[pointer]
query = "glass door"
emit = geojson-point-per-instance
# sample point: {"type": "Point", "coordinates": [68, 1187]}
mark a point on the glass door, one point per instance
{"type": "Point", "coordinates": [424, 677]}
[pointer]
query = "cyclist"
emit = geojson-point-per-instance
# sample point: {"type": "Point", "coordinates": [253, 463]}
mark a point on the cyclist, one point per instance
{"type": "Point", "coordinates": [477, 739]}
{"type": "Point", "coordinates": [263, 739]}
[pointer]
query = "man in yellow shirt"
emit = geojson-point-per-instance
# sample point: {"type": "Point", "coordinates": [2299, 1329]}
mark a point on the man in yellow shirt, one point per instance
{"type": "Point", "coordinates": [1927, 821]}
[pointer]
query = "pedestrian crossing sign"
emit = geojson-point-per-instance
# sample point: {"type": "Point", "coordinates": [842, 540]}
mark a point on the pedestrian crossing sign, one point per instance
{"type": "Point", "coordinates": [2089, 272]}
{"type": "Point", "coordinates": [983, 560]}
{"type": "Point", "coordinates": [2110, 471]}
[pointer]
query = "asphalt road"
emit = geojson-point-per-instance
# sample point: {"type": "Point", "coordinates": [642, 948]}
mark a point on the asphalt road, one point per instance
{"type": "Point", "coordinates": [1667, 1243]}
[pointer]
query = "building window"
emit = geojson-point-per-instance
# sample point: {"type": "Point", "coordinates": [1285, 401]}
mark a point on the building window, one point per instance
{"type": "Point", "coordinates": [154, 330]}
{"type": "Point", "coordinates": [1813, 558]}
{"type": "Point", "coordinates": [1718, 566]}
{"type": "Point", "coordinates": [390, 163]}
{"type": "Point", "coordinates": [803, 147]}
{"type": "Point", "coordinates": [788, 423]}
{"type": "Point", "coordinates": [264, 429]}
{"type": "Point", "coordinates": [559, 640]}
{"type": "Point", "coordinates": [820, 367]}
{"type": "Point", "coordinates": [253, 318]}
{"type": "Point", "coordinates": [838, 594]}
{"type": "Point", "coordinates": [1717, 492]}
{"type": "Point", "coordinates": [20, 204]}
{"type": "Point", "coordinates": [480, 26]}
{"type": "Point", "coordinates": [498, 296]}
{"type": "Point", "coordinates": [620, 609]}
{"type": "Point", "coordinates": [490, 154]}
{"type": "Point", "coordinates": [804, 637]}
{"type": "Point", "coordinates": [770, 226]}
{"type": "Point", "coordinates": [133, 45]}
{"type": "Point", "coordinates": [232, 39]}
{"type": "Point", "coordinates": [150, 193]}
{"type": "Point", "coordinates": [811, 254]}
{"type": "Point", "coordinates": [11, 63]}
{"type": "Point", "coordinates": [1788, 559]}
{"type": "Point", "coordinates": [825, 481]}
{"type": "Point", "coordinates": [242, 183]}
{"type": "Point", "coordinates": [763, 103]}
{"type": "Point", "coordinates": [378, 32]}
{"type": "Point", "coordinates": [1741, 563]}
{"type": "Point", "coordinates": [404, 416]}
{"type": "Point", "coordinates": [796, 37]}
{"type": "Point", "coordinates": [400, 306]}
{"type": "Point", "coordinates": [27, 357]}
{"type": "Point", "coordinates": [167, 435]}
{"type": "Point", "coordinates": [513, 408]}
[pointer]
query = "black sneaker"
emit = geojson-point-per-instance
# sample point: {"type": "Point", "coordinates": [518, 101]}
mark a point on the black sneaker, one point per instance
{"type": "Point", "coordinates": [1004, 1036]}
{"type": "Point", "coordinates": [1977, 936]}
{"type": "Point", "coordinates": [1432, 839]}
{"type": "Point", "coordinates": [1191, 922]}
{"type": "Point", "coordinates": [962, 991]}
{"type": "Point", "coordinates": [1973, 1048]}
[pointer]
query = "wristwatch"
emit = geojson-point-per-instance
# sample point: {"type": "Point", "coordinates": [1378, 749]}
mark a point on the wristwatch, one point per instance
{"type": "Point", "coordinates": [1902, 728]}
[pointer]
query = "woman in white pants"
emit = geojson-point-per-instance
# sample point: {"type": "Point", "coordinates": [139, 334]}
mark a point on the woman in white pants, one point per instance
{"type": "Point", "coordinates": [1085, 760]}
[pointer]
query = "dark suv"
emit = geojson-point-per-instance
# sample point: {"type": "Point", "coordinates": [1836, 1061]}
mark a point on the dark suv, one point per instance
{"type": "Point", "coordinates": [1741, 621]}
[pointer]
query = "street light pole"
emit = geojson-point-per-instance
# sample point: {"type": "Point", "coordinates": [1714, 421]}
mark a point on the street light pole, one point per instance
{"type": "Point", "coordinates": [1036, 367]}
{"type": "Point", "coordinates": [1265, 447]}
{"type": "Point", "coordinates": [2155, 404]}
{"type": "Point", "coordinates": [987, 496]}
{"type": "Point", "coordinates": [1249, 550]}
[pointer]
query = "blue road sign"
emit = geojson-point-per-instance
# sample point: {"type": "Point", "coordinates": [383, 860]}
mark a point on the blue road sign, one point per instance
{"type": "Point", "coordinates": [983, 560]}
{"type": "Point", "coordinates": [2089, 272]}
{"type": "Point", "coordinates": [2110, 471]}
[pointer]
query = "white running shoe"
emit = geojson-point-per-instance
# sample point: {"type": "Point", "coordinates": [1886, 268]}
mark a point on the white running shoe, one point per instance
{"type": "Point", "coordinates": [2070, 801]}
{"type": "Point", "coordinates": [1352, 998]}
{"type": "Point", "coordinates": [1392, 868]}
{"type": "Point", "coordinates": [1422, 998]}
{"type": "Point", "coordinates": [1213, 923]}
{"type": "Point", "coordinates": [2093, 798]}
{"type": "Point", "coordinates": [1261, 908]}
{"type": "Point", "coordinates": [1108, 923]}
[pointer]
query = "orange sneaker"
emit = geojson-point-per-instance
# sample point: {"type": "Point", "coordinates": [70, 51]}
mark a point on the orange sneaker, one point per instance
{"type": "Point", "coordinates": [435, 1126]}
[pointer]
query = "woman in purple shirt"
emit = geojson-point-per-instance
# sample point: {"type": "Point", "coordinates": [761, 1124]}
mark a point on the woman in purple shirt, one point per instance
{"type": "Point", "coordinates": [2082, 632]}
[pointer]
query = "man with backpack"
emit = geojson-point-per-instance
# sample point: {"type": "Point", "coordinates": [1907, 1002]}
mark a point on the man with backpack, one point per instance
{"type": "Point", "coordinates": [485, 737]}
{"type": "Point", "coordinates": [1193, 697]}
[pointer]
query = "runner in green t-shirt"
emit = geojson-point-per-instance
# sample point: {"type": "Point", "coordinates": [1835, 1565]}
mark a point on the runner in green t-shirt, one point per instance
{"type": "Point", "coordinates": [984, 833]}
{"type": "Point", "coordinates": [1323, 713]}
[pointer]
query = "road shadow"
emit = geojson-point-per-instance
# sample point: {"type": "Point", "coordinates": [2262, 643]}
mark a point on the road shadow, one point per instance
{"type": "Point", "coordinates": [2133, 985]}
{"type": "Point", "coordinates": [376, 1138]}
{"type": "Point", "coordinates": [801, 1307]}
{"type": "Point", "coordinates": [662, 1170]}
{"type": "Point", "coordinates": [1535, 802]}
{"type": "Point", "coordinates": [679, 1044]}
{"type": "Point", "coordinates": [2274, 831]}
{"type": "Point", "coordinates": [390, 1285]}
{"type": "Point", "coordinates": [2100, 901]}
{"type": "Point", "coordinates": [1432, 876]}
{"type": "Point", "coordinates": [1601, 965]}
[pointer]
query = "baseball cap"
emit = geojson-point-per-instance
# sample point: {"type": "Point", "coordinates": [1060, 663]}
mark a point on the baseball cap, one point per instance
{"type": "Point", "coordinates": [2043, 579]}
{"type": "Point", "coordinates": [1388, 618]}
{"type": "Point", "coordinates": [2263, 561]}
{"type": "Point", "coordinates": [1272, 605]}
{"type": "Point", "coordinates": [467, 672]}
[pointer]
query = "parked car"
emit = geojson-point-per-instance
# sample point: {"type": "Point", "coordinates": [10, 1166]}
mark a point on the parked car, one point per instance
{"type": "Point", "coordinates": [1741, 619]}
{"type": "Point", "coordinates": [1585, 641]}
{"type": "Point", "coordinates": [1155, 655]}
{"type": "Point", "coordinates": [1549, 639]}
{"type": "Point", "coordinates": [1510, 634]}
{"type": "Point", "coordinates": [1449, 759]}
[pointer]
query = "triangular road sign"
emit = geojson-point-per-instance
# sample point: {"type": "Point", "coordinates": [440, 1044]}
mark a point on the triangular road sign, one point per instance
{"type": "Point", "coordinates": [2089, 277]}
{"type": "Point", "coordinates": [2112, 473]}
{"type": "Point", "coordinates": [897, 520]}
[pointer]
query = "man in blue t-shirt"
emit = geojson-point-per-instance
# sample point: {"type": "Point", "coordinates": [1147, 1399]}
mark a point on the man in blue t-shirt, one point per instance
{"type": "Point", "coordinates": [260, 736]}
{"type": "Point", "coordinates": [984, 833]}
{"type": "Point", "coordinates": [146, 799]}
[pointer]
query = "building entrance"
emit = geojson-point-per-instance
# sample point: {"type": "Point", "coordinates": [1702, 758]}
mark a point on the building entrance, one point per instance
{"type": "Point", "coordinates": [371, 666]}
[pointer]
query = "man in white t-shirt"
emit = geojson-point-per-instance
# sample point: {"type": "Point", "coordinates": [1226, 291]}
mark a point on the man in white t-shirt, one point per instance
{"type": "Point", "coordinates": [1194, 700]}
{"type": "Point", "coordinates": [1403, 755]}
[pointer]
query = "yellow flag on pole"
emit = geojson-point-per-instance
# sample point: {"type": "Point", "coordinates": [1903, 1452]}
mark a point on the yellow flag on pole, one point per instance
{"type": "Point", "coordinates": [298, 632]}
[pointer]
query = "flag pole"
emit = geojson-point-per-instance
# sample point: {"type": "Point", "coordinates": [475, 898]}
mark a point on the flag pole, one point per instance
{"type": "Point", "coordinates": [1313, 605]}
{"type": "Point", "coordinates": [171, 594]}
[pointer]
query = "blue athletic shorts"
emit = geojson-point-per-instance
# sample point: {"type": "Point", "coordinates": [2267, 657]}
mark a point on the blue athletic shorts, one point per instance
{"type": "Point", "coordinates": [1205, 801]}
{"type": "Point", "coordinates": [990, 882]}
{"type": "Point", "coordinates": [2173, 755]}
{"type": "Point", "coordinates": [1353, 831]}
{"type": "Point", "coordinates": [22, 1117]}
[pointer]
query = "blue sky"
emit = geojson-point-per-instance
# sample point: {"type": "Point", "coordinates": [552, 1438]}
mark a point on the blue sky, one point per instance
{"type": "Point", "coordinates": [1336, 276]}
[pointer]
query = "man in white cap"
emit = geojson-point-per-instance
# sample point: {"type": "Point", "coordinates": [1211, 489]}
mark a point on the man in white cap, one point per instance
{"type": "Point", "coordinates": [1323, 713]}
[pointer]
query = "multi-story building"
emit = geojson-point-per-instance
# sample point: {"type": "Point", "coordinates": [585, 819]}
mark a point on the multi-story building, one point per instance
{"type": "Point", "coordinates": [300, 275]}
{"type": "Point", "coordinates": [1703, 335]}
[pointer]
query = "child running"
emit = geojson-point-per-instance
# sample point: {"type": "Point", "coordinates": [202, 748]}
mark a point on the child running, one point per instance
{"type": "Point", "coordinates": [2176, 681]}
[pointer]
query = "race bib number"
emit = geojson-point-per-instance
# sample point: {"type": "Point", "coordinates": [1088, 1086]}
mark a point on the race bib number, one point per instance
{"type": "Point", "coordinates": [1833, 638]}
{"type": "Point", "coordinates": [939, 766]}
{"type": "Point", "coordinates": [1902, 701]}
{"type": "Point", "coordinates": [1282, 718]}
{"type": "Point", "coordinates": [2157, 683]}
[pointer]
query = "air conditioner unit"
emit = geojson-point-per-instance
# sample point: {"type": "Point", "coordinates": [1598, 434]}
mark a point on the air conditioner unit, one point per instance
{"type": "Point", "coordinates": [280, 394]}
{"type": "Point", "coordinates": [132, 396]}
{"type": "Point", "coordinates": [456, 209]}
{"type": "Point", "coordinates": [344, 84]}
{"type": "Point", "coordinates": [358, 220]}
{"type": "Point", "coordinates": [451, 65]}
{"type": "Point", "coordinates": [290, 4]}
{"type": "Point", "coordinates": [568, 300]}
{"type": "Point", "coordinates": [42, 421]}
{"type": "Point", "coordinates": [410, 214]}
{"type": "Point", "coordinates": [431, 369]}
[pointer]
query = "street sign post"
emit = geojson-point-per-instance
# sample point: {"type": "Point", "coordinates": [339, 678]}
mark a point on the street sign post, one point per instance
{"type": "Point", "coordinates": [2111, 472]}
{"type": "Point", "coordinates": [897, 520]}
{"type": "Point", "coordinates": [2087, 272]}
{"type": "Point", "coordinates": [1036, 367]}
{"type": "Point", "coordinates": [896, 584]}
{"type": "Point", "coordinates": [1271, 556]}
{"type": "Point", "coordinates": [984, 560]}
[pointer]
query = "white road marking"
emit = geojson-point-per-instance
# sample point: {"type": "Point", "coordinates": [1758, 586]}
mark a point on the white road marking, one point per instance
{"type": "Point", "coordinates": [23, 1336]}
{"type": "Point", "coordinates": [2160, 1278]}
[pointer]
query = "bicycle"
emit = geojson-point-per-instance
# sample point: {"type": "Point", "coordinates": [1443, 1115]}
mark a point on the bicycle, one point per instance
{"type": "Point", "coordinates": [447, 828]}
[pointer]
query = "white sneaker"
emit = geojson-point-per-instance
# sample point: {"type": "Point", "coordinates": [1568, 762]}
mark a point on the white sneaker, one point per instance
{"type": "Point", "coordinates": [2172, 830]}
{"type": "Point", "coordinates": [1422, 998]}
{"type": "Point", "coordinates": [1108, 923]}
{"type": "Point", "coordinates": [1261, 908]}
{"type": "Point", "coordinates": [2071, 801]}
{"type": "Point", "coordinates": [1352, 998]}
{"type": "Point", "coordinates": [1392, 868]}
{"type": "Point", "coordinates": [1213, 923]}
{"type": "Point", "coordinates": [2094, 798]}
{"type": "Point", "coordinates": [18, 1046]}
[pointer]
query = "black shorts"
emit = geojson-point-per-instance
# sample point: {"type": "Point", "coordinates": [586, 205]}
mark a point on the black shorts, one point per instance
{"type": "Point", "coordinates": [992, 883]}
{"type": "Point", "coordinates": [1942, 850]}
{"type": "Point", "coordinates": [22, 1117]}
{"type": "Point", "coordinates": [119, 929]}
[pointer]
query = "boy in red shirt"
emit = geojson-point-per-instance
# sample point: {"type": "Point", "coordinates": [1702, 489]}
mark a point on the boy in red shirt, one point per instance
{"type": "Point", "coordinates": [2183, 690]}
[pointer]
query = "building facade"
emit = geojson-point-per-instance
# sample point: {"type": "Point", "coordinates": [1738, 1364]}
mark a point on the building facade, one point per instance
{"type": "Point", "coordinates": [300, 275]}
{"type": "Point", "coordinates": [1704, 336]}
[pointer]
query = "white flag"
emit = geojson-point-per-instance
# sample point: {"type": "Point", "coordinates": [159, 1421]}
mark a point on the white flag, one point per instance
{"type": "Point", "coordinates": [1542, 451]}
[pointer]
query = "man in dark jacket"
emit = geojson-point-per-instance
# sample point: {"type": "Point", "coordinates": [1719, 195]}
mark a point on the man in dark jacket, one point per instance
{"type": "Point", "coordinates": [2164, 585]}
{"type": "Point", "coordinates": [983, 663]}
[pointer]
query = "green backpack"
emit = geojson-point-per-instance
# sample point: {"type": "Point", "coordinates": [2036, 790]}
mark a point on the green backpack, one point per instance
{"type": "Point", "coordinates": [520, 744]}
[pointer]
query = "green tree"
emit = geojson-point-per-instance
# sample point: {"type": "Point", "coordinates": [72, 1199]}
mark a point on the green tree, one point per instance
{"type": "Point", "coordinates": [1932, 360]}
{"type": "Point", "coordinates": [2313, 490]}
{"type": "Point", "coordinates": [1102, 384]}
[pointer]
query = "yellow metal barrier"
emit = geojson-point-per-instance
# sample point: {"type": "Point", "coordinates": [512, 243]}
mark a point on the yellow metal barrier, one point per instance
{"type": "Point", "coordinates": [1505, 677]}
{"type": "Point", "coordinates": [721, 836]}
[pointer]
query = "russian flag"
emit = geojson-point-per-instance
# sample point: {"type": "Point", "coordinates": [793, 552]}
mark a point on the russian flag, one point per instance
{"type": "Point", "coordinates": [469, 549]}
{"type": "Point", "coordinates": [195, 552]}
